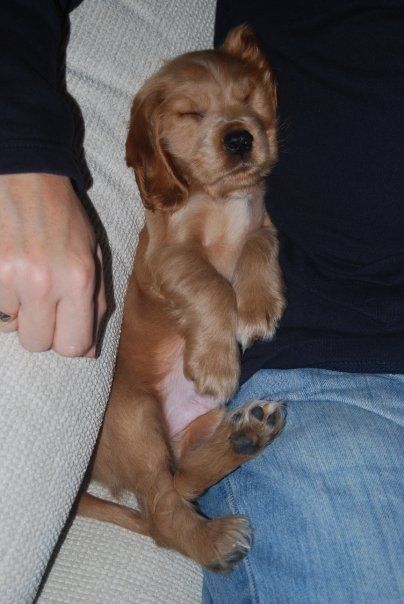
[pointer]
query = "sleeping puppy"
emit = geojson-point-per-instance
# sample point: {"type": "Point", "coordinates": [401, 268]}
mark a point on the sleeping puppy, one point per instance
{"type": "Point", "coordinates": [206, 278]}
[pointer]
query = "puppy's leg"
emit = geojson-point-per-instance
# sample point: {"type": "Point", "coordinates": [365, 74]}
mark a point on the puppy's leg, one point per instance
{"type": "Point", "coordinates": [205, 306]}
{"type": "Point", "coordinates": [108, 511]}
{"type": "Point", "coordinates": [259, 287]}
{"type": "Point", "coordinates": [220, 441]}
{"type": "Point", "coordinates": [133, 454]}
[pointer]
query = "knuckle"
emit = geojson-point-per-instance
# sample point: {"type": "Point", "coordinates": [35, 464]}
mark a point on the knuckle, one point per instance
{"type": "Point", "coordinates": [32, 274]}
{"type": "Point", "coordinates": [7, 270]}
{"type": "Point", "coordinates": [81, 274]}
{"type": "Point", "coordinates": [39, 280]}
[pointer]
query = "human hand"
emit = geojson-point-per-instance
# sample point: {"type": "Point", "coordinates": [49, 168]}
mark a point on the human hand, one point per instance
{"type": "Point", "coordinates": [51, 279]}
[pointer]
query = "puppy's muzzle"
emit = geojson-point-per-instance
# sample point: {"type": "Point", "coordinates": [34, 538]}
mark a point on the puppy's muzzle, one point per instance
{"type": "Point", "coordinates": [238, 142]}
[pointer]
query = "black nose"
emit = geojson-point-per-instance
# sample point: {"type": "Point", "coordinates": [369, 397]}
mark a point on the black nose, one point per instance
{"type": "Point", "coordinates": [238, 142]}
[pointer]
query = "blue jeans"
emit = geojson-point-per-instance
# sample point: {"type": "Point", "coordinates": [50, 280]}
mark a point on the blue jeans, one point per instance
{"type": "Point", "coordinates": [325, 499]}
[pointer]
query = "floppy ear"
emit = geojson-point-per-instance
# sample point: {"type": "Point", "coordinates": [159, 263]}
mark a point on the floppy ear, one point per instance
{"type": "Point", "coordinates": [161, 188]}
{"type": "Point", "coordinates": [241, 43]}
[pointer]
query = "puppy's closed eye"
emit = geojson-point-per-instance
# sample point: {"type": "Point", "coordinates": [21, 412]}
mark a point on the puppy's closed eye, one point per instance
{"type": "Point", "coordinates": [199, 115]}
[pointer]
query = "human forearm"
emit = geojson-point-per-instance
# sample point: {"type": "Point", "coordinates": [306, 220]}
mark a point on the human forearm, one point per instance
{"type": "Point", "coordinates": [36, 127]}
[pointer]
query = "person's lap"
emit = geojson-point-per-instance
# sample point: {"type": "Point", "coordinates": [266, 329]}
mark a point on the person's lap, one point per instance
{"type": "Point", "coordinates": [325, 497]}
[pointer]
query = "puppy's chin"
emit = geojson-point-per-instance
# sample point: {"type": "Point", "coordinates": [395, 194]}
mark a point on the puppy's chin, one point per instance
{"type": "Point", "coordinates": [249, 170]}
{"type": "Point", "coordinates": [246, 174]}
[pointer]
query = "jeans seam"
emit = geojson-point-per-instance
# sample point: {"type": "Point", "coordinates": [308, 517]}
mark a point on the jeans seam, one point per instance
{"type": "Point", "coordinates": [231, 501]}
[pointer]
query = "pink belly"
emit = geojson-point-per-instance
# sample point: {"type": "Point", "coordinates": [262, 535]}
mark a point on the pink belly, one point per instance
{"type": "Point", "coordinates": [181, 402]}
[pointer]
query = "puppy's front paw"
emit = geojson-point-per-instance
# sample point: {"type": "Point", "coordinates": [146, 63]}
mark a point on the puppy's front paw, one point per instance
{"type": "Point", "coordinates": [215, 371]}
{"type": "Point", "coordinates": [258, 317]}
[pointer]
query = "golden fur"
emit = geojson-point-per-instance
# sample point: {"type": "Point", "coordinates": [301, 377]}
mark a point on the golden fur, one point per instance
{"type": "Point", "coordinates": [206, 277]}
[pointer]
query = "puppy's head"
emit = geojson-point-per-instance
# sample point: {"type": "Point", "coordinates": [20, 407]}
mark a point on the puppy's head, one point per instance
{"type": "Point", "coordinates": [205, 121]}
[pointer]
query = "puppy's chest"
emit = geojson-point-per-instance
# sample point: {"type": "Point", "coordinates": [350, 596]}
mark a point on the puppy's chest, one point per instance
{"type": "Point", "coordinates": [225, 229]}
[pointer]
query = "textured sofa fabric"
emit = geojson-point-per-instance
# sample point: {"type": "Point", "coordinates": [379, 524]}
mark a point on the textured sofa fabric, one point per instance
{"type": "Point", "coordinates": [103, 564]}
{"type": "Point", "coordinates": [51, 407]}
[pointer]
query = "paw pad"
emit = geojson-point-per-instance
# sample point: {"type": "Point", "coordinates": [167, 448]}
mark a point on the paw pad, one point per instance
{"type": "Point", "coordinates": [271, 419]}
{"type": "Point", "coordinates": [254, 425]}
{"type": "Point", "coordinates": [243, 444]}
{"type": "Point", "coordinates": [258, 413]}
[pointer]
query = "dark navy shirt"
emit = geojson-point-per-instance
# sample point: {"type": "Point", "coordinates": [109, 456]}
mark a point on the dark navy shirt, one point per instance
{"type": "Point", "coordinates": [337, 193]}
{"type": "Point", "coordinates": [36, 125]}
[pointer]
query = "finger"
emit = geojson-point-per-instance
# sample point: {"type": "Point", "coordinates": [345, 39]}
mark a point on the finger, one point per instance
{"type": "Point", "coordinates": [100, 310]}
{"type": "Point", "coordinates": [74, 329]}
{"type": "Point", "coordinates": [100, 301]}
{"type": "Point", "coordinates": [9, 326]}
{"type": "Point", "coordinates": [36, 324]}
{"type": "Point", "coordinates": [91, 353]}
{"type": "Point", "coordinates": [9, 307]}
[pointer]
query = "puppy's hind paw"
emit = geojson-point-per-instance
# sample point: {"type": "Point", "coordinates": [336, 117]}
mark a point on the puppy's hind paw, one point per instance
{"type": "Point", "coordinates": [233, 542]}
{"type": "Point", "coordinates": [255, 425]}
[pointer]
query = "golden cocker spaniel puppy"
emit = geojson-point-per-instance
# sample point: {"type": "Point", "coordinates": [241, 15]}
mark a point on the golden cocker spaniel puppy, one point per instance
{"type": "Point", "coordinates": [206, 278]}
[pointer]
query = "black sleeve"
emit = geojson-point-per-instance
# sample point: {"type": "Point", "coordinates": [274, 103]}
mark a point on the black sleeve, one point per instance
{"type": "Point", "coordinates": [36, 126]}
